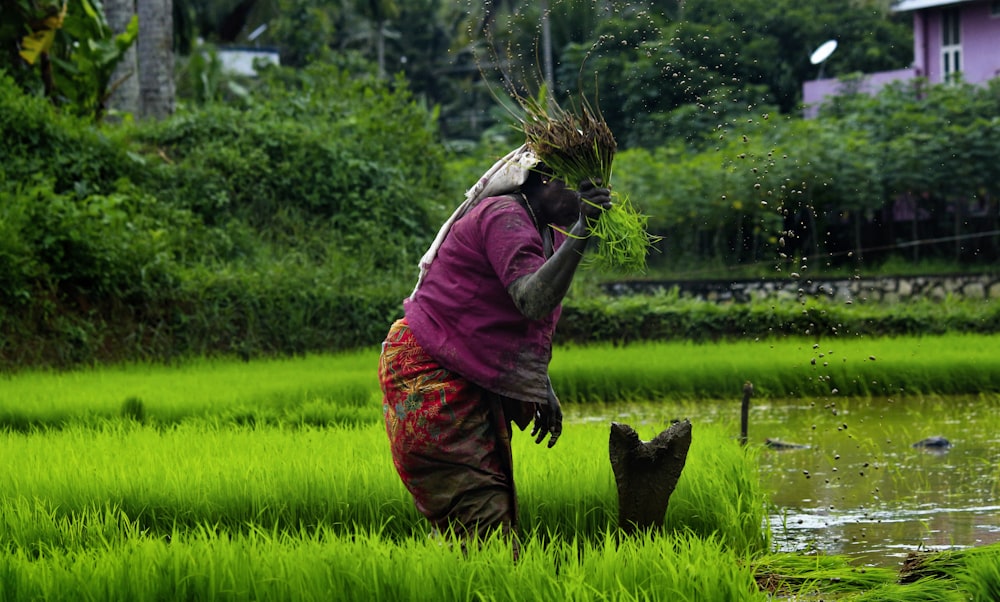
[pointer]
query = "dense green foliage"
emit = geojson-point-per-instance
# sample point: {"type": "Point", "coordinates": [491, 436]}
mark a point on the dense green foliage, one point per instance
{"type": "Point", "coordinates": [663, 70]}
{"type": "Point", "coordinates": [874, 175]}
{"type": "Point", "coordinates": [669, 317]}
{"type": "Point", "coordinates": [290, 218]}
{"type": "Point", "coordinates": [292, 223]}
{"type": "Point", "coordinates": [244, 231]}
{"type": "Point", "coordinates": [716, 56]}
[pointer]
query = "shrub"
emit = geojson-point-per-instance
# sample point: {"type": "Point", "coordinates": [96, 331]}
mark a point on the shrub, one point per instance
{"type": "Point", "coordinates": [219, 231]}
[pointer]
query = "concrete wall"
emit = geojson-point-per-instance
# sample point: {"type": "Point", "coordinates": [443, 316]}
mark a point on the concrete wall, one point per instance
{"type": "Point", "coordinates": [886, 289]}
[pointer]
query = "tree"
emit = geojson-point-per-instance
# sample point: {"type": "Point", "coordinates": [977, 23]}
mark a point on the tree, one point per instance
{"type": "Point", "coordinates": [124, 94]}
{"type": "Point", "coordinates": [378, 13]}
{"type": "Point", "coordinates": [156, 58]}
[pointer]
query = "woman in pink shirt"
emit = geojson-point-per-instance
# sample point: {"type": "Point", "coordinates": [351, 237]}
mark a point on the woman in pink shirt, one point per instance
{"type": "Point", "coordinates": [471, 355]}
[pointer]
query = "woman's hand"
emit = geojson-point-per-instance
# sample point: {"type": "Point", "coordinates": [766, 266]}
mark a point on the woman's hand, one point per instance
{"type": "Point", "coordinates": [594, 199]}
{"type": "Point", "coordinates": [548, 419]}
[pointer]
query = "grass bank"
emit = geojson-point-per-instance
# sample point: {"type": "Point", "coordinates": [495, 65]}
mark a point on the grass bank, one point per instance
{"type": "Point", "coordinates": [343, 388]}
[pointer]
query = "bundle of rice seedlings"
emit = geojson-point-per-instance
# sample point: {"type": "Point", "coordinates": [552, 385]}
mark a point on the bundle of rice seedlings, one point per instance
{"type": "Point", "coordinates": [579, 146]}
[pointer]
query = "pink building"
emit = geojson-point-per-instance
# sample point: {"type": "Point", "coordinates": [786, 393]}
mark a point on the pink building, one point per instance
{"type": "Point", "coordinates": [949, 37]}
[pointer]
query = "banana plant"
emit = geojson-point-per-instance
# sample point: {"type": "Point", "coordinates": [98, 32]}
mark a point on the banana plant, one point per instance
{"type": "Point", "coordinates": [69, 49]}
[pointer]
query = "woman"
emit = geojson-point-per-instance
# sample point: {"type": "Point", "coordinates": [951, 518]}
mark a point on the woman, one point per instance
{"type": "Point", "coordinates": [471, 355]}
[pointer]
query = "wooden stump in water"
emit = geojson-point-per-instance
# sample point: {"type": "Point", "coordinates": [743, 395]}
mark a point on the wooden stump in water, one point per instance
{"type": "Point", "coordinates": [646, 472]}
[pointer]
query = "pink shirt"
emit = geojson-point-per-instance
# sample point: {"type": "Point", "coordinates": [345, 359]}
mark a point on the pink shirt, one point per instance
{"type": "Point", "coordinates": [462, 314]}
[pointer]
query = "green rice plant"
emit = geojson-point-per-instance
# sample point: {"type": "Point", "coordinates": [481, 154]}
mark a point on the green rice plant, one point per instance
{"type": "Point", "coordinates": [981, 575]}
{"type": "Point", "coordinates": [268, 390]}
{"type": "Point", "coordinates": [623, 241]}
{"type": "Point", "coordinates": [785, 367]}
{"type": "Point", "coordinates": [953, 575]}
{"type": "Point", "coordinates": [720, 492]}
{"type": "Point", "coordinates": [578, 146]}
{"type": "Point", "coordinates": [946, 564]}
{"type": "Point", "coordinates": [37, 528]}
{"type": "Point", "coordinates": [134, 409]}
{"type": "Point", "coordinates": [924, 590]}
{"type": "Point", "coordinates": [343, 388]}
{"type": "Point", "coordinates": [784, 574]}
{"type": "Point", "coordinates": [199, 473]}
{"type": "Point", "coordinates": [303, 565]}
{"type": "Point", "coordinates": [322, 564]}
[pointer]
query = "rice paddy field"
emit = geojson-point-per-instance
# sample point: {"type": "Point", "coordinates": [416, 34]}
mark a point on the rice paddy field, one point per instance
{"type": "Point", "coordinates": [225, 480]}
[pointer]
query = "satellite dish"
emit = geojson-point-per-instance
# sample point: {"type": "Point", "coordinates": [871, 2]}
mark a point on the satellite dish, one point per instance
{"type": "Point", "coordinates": [823, 52]}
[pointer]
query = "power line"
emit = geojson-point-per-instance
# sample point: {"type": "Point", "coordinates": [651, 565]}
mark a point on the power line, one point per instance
{"type": "Point", "coordinates": [914, 243]}
{"type": "Point", "coordinates": [901, 245]}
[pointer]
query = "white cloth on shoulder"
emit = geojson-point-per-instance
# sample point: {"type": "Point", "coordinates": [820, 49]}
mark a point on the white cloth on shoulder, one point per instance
{"type": "Point", "coordinates": [504, 177]}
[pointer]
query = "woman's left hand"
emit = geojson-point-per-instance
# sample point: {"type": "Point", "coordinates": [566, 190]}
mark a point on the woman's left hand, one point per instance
{"type": "Point", "coordinates": [548, 419]}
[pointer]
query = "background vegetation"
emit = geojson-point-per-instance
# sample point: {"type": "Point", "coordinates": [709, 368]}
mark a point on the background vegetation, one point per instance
{"type": "Point", "coordinates": [285, 213]}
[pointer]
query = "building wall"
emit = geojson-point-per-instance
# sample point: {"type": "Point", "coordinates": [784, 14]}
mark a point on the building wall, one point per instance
{"type": "Point", "coordinates": [980, 43]}
{"type": "Point", "coordinates": [980, 48]}
{"type": "Point", "coordinates": [817, 91]}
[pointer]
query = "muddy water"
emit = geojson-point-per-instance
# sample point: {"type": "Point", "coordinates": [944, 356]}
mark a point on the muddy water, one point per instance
{"type": "Point", "coordinates": [857, 486]}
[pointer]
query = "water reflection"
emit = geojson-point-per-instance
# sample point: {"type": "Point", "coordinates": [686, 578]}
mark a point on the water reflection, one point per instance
{"type": "Point", "coordinates": [858, 486]}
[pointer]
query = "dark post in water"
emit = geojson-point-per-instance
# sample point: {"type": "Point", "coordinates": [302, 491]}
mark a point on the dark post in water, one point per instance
{"type": "Point", "coordinates": [745, 411]}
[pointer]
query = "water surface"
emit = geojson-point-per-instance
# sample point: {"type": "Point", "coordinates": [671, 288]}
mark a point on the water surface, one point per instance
{"type": "Point", "coordinates": [858, 486]}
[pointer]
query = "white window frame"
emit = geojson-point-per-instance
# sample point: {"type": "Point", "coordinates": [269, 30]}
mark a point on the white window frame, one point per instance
{"type": "Point", "coordinates": [951, 44]}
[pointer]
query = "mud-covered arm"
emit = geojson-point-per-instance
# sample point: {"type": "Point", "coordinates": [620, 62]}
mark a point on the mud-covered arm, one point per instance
{"type": "Point", "coordinates": [537, 295]}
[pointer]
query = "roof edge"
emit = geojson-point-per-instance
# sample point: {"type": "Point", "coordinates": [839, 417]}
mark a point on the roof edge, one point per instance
{"type": "Point", "coordinates": [903, 6]}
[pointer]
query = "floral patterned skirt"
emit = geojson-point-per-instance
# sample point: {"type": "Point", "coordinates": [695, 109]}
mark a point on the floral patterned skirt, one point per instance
{"type": "Point", "coordinates": [449, 438]}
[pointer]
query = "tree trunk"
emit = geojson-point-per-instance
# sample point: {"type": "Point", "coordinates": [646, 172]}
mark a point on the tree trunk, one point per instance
{"type": "Point", "coordinates": [156, 58]}
{"type": "Point", "coordinates": [646, 473]}
{"type": "Point", "coordinates": [858, 216]}
{"type": "Point", "coordinates": [380, 46]}
{"type": "Point", "coordinates": [124, 84]}
{"type": "Point", "coordinates": [959, 214]}
{"type": "Point", "coordinates": [547, 48]}
{"type": "Point", "coordinates": [813, 232]}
